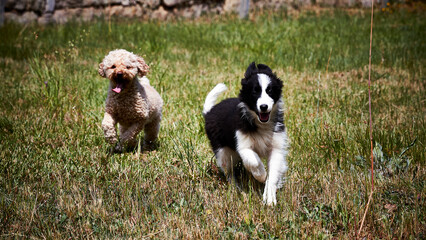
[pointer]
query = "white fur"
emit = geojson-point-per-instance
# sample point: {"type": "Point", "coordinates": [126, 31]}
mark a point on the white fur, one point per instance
{"type": "Point", "coordinates": [212, 97]}
{"type": "Point", "coordinates": [277, 166]}
{"type": "Point", "coordinates": [227, 159]}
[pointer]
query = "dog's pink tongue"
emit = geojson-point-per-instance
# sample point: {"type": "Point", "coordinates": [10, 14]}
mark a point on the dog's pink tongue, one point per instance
{"type": "Point", "coordinates": [117, 90]}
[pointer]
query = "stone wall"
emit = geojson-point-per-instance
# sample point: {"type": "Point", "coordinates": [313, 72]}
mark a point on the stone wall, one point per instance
{"type": "Point", "coordinates": [61, 11]}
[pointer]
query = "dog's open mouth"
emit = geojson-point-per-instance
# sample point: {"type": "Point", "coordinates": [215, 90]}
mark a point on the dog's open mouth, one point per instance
{"type": "Point", "coordinates": [264, 117]}
{"type": "Point", "coordinates": [118, 88]}
{"type": "Point", "coordinates": [119, 84]}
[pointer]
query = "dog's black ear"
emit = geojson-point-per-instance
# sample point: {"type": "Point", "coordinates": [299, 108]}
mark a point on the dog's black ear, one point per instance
{"type": "Point", "coordinates": [264, 69]}
{"type": "Point", "coordinates": [243, 82]}
{"type": "Point", "coordinates": [280, 84]}
{"type": "Point", "coordinates": [101, 70]}
{"type": "Point", "coordinates": [250, 70]}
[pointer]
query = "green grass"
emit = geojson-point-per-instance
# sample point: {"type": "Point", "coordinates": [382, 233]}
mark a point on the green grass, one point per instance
{"type": "Point", "coordinates": [57, 179]}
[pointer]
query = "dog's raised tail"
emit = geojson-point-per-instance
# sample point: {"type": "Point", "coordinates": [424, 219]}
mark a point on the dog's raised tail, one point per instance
{"type": "Point", "coordinates": [212, 97]}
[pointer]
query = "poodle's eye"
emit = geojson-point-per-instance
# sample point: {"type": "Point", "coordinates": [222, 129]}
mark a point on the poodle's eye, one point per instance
{"type": "Point", "coordinates": [129, 67]}
{"type": "Point", "coordinates": [113, 66]}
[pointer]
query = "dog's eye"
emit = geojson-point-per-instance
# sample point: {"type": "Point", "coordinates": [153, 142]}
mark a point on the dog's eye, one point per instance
{"type": "Point", "coordinates": [113, 66]}
{"type": "Point", "coordinates": [257, 89]}
{"type": "Point", "coordinates": [129, 67]}
{"type": "Point", "coordinates": [268, 89]}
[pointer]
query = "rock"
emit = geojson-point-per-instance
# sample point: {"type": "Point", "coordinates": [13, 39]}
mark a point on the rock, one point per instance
{"type": "Point", "coordinates": [62, 11]}
{"type": "Point", "coordinates": [67, 4]}
{"type": "Point", "coordinates": [194, 11]}
{"type": "Point", "coordinates": [91, 3]}
{"type": "Point", "coordinates": [87, 14]}
{"type": "Point", "coordinates": [125, 2]}
{"type": "Point", "coordinates": [160, 14]}
{"type": "Point", "coordinates": [198, 10]}
{"type": "Point", "coordinates": [28, 17]}
{"type": "Point", "coordinates": [172, 3]}
{"type": "Point", "coordinates": [151, 4]}
{"type": "Point", "coordinates": [65, 15]}
{"type": "Point", "coordinates": [132, 11]}
{"type": "Point", "coordinates": [231, 5]}
{"type": "Point", "coordinates": [46, 18]}
{"type": "Point", "coordinates": [114, 11]}
{"type": "Point", "coordinates": [60, 16]}
{"type": "Point", "coordinates": [11, 17]}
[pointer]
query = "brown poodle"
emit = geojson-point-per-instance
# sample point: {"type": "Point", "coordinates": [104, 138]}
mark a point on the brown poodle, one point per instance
{"type": "Point", "coordinates": [131, 101]}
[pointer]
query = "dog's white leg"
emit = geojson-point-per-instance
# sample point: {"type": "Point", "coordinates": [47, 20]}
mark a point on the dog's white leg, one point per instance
{"type": "Point", "coordinates": [222, 161]}
{"type": "Point", "coordinates": [277, 166]}
{"type": "Point", "coordinates": [227, 159]}
{"type": "Point", "coordinates": [251, 160]}
{"type": "Point", "coordinates": [108, 125]}
{"type": "Point", "coordinates": [253, 164]}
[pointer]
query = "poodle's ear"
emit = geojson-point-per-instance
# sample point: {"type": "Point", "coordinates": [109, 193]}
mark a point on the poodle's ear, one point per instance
{"type": "Point", "coordinates": [143, 68]}
{"type": "Point", "coordinates": [101, 70]}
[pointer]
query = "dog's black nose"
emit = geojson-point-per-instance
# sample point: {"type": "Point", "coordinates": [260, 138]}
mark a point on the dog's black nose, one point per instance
{"type": "Point", "coordinates": [263, 107]}
{"type": "Point", "coordinates": [120, 73]}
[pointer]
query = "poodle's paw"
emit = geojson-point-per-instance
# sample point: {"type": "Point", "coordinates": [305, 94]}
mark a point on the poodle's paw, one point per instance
{"type": "Point", "coordinates": [117, 148]}
{"type": "Point", "coordinates": [150, 145]}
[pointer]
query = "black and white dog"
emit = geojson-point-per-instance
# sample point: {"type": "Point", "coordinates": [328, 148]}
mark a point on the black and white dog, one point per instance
{"type": "Point", "coordinates": [249, 128]}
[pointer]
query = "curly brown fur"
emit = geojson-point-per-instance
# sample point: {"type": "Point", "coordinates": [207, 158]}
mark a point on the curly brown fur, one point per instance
{"type": "Point", "coordinates": [131, 101]}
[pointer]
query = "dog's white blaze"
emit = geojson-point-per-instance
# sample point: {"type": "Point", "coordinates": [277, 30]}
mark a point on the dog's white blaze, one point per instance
{"type": "Point", "coordinates": [264, 81]}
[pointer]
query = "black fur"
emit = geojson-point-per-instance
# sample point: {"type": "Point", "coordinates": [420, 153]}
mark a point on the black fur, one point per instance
{"type": "Point", "coordinates": [221, 123]}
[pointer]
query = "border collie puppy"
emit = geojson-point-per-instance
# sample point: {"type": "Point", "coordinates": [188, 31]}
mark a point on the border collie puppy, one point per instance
{"type": "Point", "coordinates": [249, 128]}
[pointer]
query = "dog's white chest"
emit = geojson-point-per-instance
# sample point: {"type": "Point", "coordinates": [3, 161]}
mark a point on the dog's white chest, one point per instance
{"type": "Point", "coordinates": [260, 142]}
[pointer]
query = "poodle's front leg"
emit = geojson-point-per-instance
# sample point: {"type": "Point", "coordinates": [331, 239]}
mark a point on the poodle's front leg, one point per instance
{"type": "Point", "coordinates": [151, 131]}
{"type": "Point", "coordinates": [277, 166]}
{"type": "Point", "coordinates": [128, 134]}
{"type": "Point", "coordinates": [108, 125]}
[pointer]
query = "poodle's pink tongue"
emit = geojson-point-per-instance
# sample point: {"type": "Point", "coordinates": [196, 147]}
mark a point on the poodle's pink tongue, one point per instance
{"type": "Point", "coordinates": [117, 90]}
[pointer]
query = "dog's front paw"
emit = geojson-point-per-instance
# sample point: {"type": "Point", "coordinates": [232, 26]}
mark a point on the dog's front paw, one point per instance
{"type": "Point", "coordinates": [117, 148]}
{"type": "Point", "coordinates": [259, 173]}
{"type": "Point", "coordinates": [269, 195]}
{"type": "Point", "coordinates": [150, 145]}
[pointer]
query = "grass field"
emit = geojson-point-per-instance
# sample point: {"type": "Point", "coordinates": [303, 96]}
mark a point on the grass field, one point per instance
{"type": "Point", "coordinates": [57, 179]}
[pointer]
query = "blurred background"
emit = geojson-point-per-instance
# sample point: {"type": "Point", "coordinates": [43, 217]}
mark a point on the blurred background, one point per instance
{"type": "Point", "coordinates": [55, 11]}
